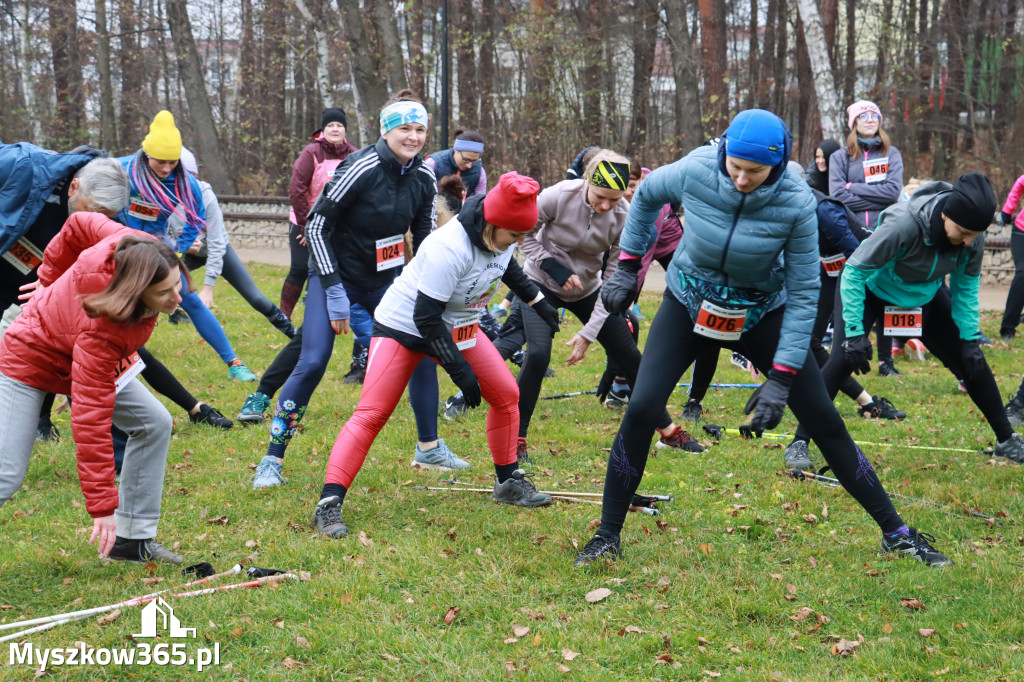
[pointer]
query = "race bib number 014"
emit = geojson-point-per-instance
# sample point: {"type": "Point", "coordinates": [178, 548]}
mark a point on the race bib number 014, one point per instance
{"type": "Point", "coordinates": [464, 333]}
{"type": "Point", "coordinates": [720, 323]}
{"type": "Point", "coordinates": [902, 321]}
{"type": "Point", "coordinates": [390, 252]}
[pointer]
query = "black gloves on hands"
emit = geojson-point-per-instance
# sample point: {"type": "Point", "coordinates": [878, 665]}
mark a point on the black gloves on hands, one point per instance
{"type": "Point", "coordinates": [619, 292]}
{"type": "Point", "coordinates": [1007, 218]}
{"type": "Point", "coordinates": [463, 376]}
{"type": "Point", "coordinates": [858, 353]}
{"type": "Point", "coordinates": [769, 402]}
{"type": "Point", "coordinates": [548, 313]}
{"type": "Point", "coordinates": [558, 272]}
{"type": "Point", "coordinates": [973, 358]}
{"type": "Point", "coordinates": [605, 385]}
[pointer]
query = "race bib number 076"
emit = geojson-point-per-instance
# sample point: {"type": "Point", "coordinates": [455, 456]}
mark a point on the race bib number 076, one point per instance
{"type": "Point", "coordinates": [716, 322]}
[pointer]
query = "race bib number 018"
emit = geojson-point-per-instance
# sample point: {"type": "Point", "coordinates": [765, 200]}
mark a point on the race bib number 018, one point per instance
{"type": "Point", "coordinates": [24, 256]}
{"type": "Point", "coordinates": [902, 321]}
{"type": "Point", "coordinates": [127, 369]}
{"type": "Point", "coordinates": [390, 252]}
{"type": "Point", "coordinates": [464, 333]}
{"type": "Point", "coordinates": [720, 323]}
{"type": "Point", "coordinates": [876, 170]}
{"type": "Point", "coordinates": [833, 264]}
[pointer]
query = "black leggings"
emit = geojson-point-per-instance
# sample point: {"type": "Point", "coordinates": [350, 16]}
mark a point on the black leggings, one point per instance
{"type": "Point", "coordinates": [942, 337]}
{"type": "Point", "coordinates": [827, 304]}
{"type": "Point", "coordinates": [671, 347]}
{"type": "Point", "coordinates": [614, 336]}
{"type": "Point", "coordinates": [1015, 297]}
{"type": "Point", "coordinates": [163, 382]}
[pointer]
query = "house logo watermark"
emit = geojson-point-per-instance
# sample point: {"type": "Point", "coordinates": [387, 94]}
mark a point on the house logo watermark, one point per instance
{"type": "Point", "coordinates": [157, 621]}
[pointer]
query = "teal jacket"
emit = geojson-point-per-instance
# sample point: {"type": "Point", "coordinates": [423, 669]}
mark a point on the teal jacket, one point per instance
{"type": "Point", "coordinates": [761, 246]}
{"type": "Point", "coordinates": [900, 264]}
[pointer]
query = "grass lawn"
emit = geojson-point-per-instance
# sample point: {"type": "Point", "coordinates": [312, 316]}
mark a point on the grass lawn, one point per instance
{"type": "Point", "coordinates": [748, 574]}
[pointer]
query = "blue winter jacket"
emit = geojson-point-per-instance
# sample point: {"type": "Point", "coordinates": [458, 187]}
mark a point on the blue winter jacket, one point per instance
{"type": "Point", "coordinates": [762, 245]}
{"type": "Point", "coordinates": [28, 176]}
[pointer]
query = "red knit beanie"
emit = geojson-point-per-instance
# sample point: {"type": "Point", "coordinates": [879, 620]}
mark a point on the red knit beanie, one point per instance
{"type": "Point", "coordinates": [512, 205]}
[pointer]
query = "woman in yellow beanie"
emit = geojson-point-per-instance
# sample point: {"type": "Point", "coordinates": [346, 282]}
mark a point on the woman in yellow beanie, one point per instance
{"type": "Point", "coordinates": [160, 187]}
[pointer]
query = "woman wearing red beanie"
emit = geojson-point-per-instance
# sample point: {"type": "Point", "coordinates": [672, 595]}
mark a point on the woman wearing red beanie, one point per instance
{"type": "Point", "coordinates": [433, 309]}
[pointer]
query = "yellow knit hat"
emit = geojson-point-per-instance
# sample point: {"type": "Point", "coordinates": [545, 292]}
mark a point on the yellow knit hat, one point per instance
{"type": "Point", "coordinates": [164, 140]}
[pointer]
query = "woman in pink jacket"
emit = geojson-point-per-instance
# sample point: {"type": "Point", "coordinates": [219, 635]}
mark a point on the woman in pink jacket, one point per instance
{"type": "Point", "coordinates": [1015, 298]}
{"type": "Point", "coordinates": [101, 286]}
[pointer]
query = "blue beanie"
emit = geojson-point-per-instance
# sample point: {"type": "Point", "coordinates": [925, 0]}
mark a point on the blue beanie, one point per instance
{"type": "Point", "coordinates": [756, 135]}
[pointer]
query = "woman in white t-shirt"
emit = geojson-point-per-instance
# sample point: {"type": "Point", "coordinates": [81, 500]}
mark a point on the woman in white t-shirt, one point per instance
{"type": "Point", "coordinates": [433, 309]}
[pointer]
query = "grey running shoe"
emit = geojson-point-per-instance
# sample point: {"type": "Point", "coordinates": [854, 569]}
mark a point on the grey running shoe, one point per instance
{"type": "Point", "coordinates": [519, 490]}
{"type": "Point", "coordinates": [881, 408]}
{"type": "Point", "coordinates": [142, 551]}
{"type": "Point", "coordinates": [255, 405]}
{"type": "Point", "coordinates": [916, 545]}
{"type": "Point", "coordinates": [599, 547]}
{"type": "Point", "coordinates": [455, 407]}
{"type": "Point", "coordinates": [440, 458]}
{"type": "Point", "coordinates": [1012, 449]}
{"type": "Point", "coordinates": [327, 517]}
{"type": "Point", "coordinates": [798, 456]}
{"type": "Point", "coordinates": [268, 473]}
{"type": "Point", "coordinates": [692, 410]}
{"type": "Point", "coordinates": [1014, 411]}
{"type": "Point", "coordinates": [617, 400]}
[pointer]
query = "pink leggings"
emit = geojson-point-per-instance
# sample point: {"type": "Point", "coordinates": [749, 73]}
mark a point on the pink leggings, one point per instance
{"type": "Point", "coordinates": [387, 372]}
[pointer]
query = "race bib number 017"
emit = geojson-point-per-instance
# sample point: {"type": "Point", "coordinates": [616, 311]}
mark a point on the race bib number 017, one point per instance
{"type": "Point", "coordinates": [833, 264]}
{"type": "Point", "coordinates": [464, 333]}
{"type": "Point", "coordinates": [720, 323]}
{"type": "Point", "coordinates": [24, 256]}
{"type": "Point", "coordinates": [127, 369]}
{"type": "Point", "coordinates": [902, 321]}
{"type": "Point", "coordinates": [390, 252]}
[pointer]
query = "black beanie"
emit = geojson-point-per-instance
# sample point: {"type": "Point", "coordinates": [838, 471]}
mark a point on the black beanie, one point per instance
{"type": "Point", "coordinates": [332, 115]}
{"type": "Point", "coordinates": [972, 203]}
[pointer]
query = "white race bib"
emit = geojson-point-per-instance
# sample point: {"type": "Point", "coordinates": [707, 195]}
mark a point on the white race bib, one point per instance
{"type": "Point", "coordinates": [876, 170]}
{"type": "Point", "coordinates": [464, 333]}
{"type": "Point", "coordinates": [127, 369]}
{"type": "Point", "coordinates": [137, 208]}
{"type": "Point", "coordinates": [390, 252]}
{"type": "Point", "coordinates": [24, 256]}
{"type": "Point", "coordinates": [902, 321]}
{"type": "Point", "coordinates": [716, 322]}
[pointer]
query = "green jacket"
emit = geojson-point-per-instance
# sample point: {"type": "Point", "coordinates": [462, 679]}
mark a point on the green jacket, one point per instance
{"type": "Point", "coordinates": [900, 264]}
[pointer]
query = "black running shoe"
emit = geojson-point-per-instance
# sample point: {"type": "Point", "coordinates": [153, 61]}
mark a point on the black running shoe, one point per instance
{"type": "Point", "coordinates": [916, 545]}
{"type": "Point", "coordinates": [599, 547]}
{"type": "Point", "coordinates": [519, 490]}
{"type": "Point", "coordinates": [212, 416]}
{"type": "Point", "coordinates": [46, 431]}
{"type": "Point", "coordinates": [886, 368]}
{"type": "Point", "coordinates": [327, 518]}
{"type": "Point", "coordinates": [881, 408]}
{"type": "Point", "coordinates": [692, 410]}
{"type": "Point", "coordinates": [179, 316]}
{"type": "Point", "coordinates": [1014, 411]}
{"type": "Point", "coordinates": [142, 551]}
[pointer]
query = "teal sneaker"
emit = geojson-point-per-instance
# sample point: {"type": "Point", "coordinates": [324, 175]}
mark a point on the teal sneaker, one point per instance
{"type": "Point", "coordinates": [239, 372]}
{"type": "Point", "coordinates": [440, 458]}
{"type": "Point", "coordinates": [255, 405]}
{"type": "Point", "coordinates": [268, 473]}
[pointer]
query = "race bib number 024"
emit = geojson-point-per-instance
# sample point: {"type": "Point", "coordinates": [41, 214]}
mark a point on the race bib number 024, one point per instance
{"type": "Point", "coordinates": [390, 252]}
{"type": "Point", "coordinates": [720, 323]}
{"type": "Point", "coordinates": [902, 321]}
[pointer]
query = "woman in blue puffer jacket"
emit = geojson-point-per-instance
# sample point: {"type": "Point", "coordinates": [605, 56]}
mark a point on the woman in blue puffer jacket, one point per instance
{"type": "Point", "coordinates": [744, 277]}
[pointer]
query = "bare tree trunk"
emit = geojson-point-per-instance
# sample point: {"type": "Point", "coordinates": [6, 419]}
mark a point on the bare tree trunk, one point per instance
{"type": "Point", "coordinates": [645, 34]}
{"type": "Point", "coordinates": [765, 100]}
{"type": "Point", "coordinates": [539, 77]}
{"type": "Point", "coordinates": [590, 50]}
{"type": "Point", "coordinates": [67, 75]}
{"type": "Point", "coordinates": [315, 22]}
{"type": "Point", "coordinates": [824, 85]}
{"type": "Point", "coordinates": [465, 70]}
{"type": "Point", "coordinates": [486, 66]}
{"type": "Point", "coordinates": [368, 85]}
{"type": "Point", "coordinates": [850, 70]}
{"type": "Point", "coordinates": [414, 34]}
{"type": "Point", "coordinates": [754, 58]}
{"type": "Point", "coordinates": [391, 57]}
{"type": "Point", "coordinates": [206, 141]}
{"type": "Point", "coordinates": [27, 81]}
{"type": "Point", "coordinates": [884, 41]}
{"type": "Point", "coordinates": [828, 10]}
{"type": "Point", "coordinates": [713, 43]}
{"type": "Point", "coordinates": [132, 121]}
{"type": "Point", "coordinates": [781, 20]}
{"type": "Point", "coordinates": [274, 72]}
{"type": "Point", "coordinates": [689, 133]}
{"type": "Point", "coordinates": [955, 21]}
{"type": "Point", "coordinates": [108, 127]}
{"type": "Point", "coordinates": [808, 120]}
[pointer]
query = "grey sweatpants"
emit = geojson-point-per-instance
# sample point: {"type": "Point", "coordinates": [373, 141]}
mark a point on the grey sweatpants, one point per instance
{"type": "Point", "coordinates": [136, 412]}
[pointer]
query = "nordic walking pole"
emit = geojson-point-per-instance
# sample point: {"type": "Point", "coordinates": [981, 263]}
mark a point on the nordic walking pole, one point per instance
{"type": "Point", "coordinates": [721, 385]}
{"type": "Point", "coordinates": [564, 493]}
{"type": "Point", "coordinates": [567, 395]}
{"type": "Point", "coordinates": [711, 430]}
{"type": "Point", "coordinates": [834, 483]}
{"type": "Point", "coordinates": [134, 601]}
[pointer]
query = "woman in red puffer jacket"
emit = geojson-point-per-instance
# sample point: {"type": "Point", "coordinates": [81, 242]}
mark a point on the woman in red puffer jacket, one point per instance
{"type": "Point", "coordinates": [100, 288]}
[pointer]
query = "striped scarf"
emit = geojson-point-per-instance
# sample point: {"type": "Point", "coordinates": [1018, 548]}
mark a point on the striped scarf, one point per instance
{"type": "Point", "coordinates": [154, 191]}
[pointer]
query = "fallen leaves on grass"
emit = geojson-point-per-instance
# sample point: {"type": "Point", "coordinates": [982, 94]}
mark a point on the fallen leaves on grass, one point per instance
{"type": "Point", "coordinates": [844, 647]}
{"type": "Point", "coordinates": [597, 595]}
{"type": "Point", "coordinates": [222, 520]}
{"type": "Point", "coordinates": [562, 668]}
{"type": "Point", "coordinates": [301, 641]}
{"type": "Point", "coordinates": [926, 632]}
{"type": "Point", "coordinates": [364, 540]}
{"type": "Point", "coordinates": [569, 654]}
{"type": "Point", "coordinates": [631, 629]}
{"type": "Point", "coordinates": [450, 616]}
{"type": "Point", "coordinates": [887, 628]}
{"type": "Point", "coordinates": [109, 618]}
{"type": "Point", "coordinates": [389, 657]}
{"type": "Point", "coordinates": [520, 630]}
{"type": "Point", "coordinates": [911, 602]}
{"type": "Point", "coordinates": [152, 581]}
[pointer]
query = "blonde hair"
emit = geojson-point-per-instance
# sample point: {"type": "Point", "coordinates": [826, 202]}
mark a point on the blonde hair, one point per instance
{"type": "Point", "coordinates": [487, 236]}
{"type": "Point", "coordinates": [853, 144]}
{"type": "Point", "coordinates": [604, 155]}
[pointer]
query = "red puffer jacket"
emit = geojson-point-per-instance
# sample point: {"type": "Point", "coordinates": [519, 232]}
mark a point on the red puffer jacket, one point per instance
{"type": "Point", "coordinates": [54, 346]}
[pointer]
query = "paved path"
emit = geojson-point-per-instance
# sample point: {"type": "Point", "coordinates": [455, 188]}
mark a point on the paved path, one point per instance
{"type": "Point", "coordinates": [991, 298]}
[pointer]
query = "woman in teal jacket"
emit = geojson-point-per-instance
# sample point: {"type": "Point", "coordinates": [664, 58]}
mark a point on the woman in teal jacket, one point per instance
{"type": "Point", "coordinates": [744, 277]}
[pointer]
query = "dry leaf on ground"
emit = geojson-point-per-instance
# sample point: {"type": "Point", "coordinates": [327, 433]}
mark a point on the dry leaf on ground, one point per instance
{"type": "Point", "coordinates": [597, 595]}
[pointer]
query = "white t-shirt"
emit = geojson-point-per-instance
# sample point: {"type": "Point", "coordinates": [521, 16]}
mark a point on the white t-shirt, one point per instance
{"type": "Point", "coordinates": [449, 268]}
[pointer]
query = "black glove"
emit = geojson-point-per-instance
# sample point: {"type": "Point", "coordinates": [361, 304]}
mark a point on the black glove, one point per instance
{"type": "Point", "coordinates": [1007, 218]}
{"type": "Point", "coordinates": [558, 272]}
{"type": "Point", "coordinates": [619, 292]}
{"type": "Point", "coordinates": [605, 385]}
{"type": "Point", "coordinates": [548, 313]}
{"type": "Point", "coordinates": [858, 353]}
{"type": "Point", "coordinates": [973, 358]}
{"type": "Point", "coordinates": [462, 374]}
{"type": "Point", "coordinates": [769, 403]}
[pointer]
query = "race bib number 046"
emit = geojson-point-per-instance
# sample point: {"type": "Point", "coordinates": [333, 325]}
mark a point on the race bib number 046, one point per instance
{"type": "Point", "coordinates": [876, 170]}
{"type": "Point", "coordinates": [390, 252]}
{"type": "Point", "coordinates": [902, 321]}
{"type": "Point", "coordinates": [720, 323]}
